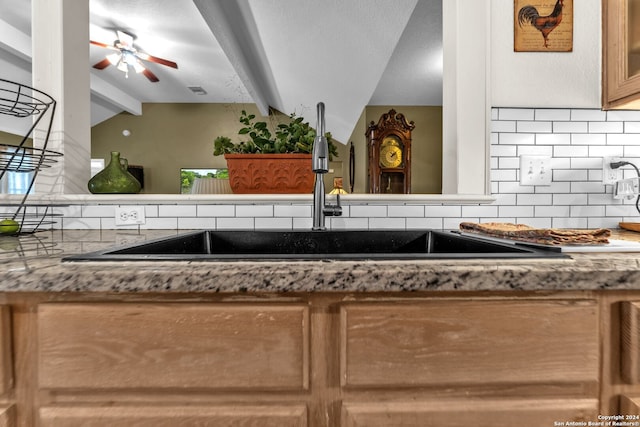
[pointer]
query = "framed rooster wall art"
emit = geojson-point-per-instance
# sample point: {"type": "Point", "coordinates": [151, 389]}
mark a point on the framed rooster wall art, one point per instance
{"type": "Point", "coordinates": [543, 25]}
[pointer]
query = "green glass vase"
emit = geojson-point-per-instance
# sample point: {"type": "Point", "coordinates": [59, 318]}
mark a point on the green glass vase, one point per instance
{"type": "Point", "coordinates": [114, 179]}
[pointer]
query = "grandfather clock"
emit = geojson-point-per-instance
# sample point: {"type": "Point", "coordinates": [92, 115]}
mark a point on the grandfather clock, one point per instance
{"type": "Point", "coordinates": [389, 145]}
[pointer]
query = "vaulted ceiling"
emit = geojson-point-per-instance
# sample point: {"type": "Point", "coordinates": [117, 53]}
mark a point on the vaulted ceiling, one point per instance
{"type": "Point", "coordinates": [284, 54]}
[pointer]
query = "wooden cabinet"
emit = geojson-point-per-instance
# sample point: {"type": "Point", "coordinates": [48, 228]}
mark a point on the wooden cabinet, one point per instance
{"type": "Point", "coordinates": [310, 360]}
{"type": "Point", "coordinates": [621, 54]}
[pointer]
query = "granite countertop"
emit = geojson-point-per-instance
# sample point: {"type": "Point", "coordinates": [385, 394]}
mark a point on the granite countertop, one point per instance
{"type": "Point", "coordinates": [32, 263]}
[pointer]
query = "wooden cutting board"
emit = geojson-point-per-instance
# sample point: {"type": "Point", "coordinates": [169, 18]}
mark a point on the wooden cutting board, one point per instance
{"type": "Point", "coordinates": [632, 226]}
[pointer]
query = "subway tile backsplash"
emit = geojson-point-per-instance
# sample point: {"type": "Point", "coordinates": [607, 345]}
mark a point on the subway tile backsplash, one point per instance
{"type": "Point", "coordinates": [575, 139]}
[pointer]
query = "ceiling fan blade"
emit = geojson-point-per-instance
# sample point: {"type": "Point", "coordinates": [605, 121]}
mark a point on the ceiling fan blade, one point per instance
{"type": "Point", "coordinates": [148, 74]}
{"type": "Point", "coordinates": [107, 46]}
{"type": "Point", "coordinates": [102, 64]}
{"type": "Point", "coordinates": [125, 39]}
{"type": "Point", "coordinates": [147, 57]}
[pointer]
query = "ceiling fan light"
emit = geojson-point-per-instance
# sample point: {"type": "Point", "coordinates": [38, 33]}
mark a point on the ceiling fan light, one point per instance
{"type": "Point", "coordinates": [122, 66]}
{"type": "Point", "coordinates": [114, 58]}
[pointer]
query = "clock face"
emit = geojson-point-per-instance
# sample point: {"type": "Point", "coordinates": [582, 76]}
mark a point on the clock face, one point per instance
{"type": "Point", "coordinates": [390, 153]}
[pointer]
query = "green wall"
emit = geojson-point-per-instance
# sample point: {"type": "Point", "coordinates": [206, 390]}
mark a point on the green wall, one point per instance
{"type": "Point", "coordinates": [167, 137]}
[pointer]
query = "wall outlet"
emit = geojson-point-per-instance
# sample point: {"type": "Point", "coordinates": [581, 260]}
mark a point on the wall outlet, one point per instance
{"type": "Point", "coordinates": [130, 215]}
{"type": "Point", "coordinates": [535, 170]}
{"type": "Point", "coordinates": [610, 176]}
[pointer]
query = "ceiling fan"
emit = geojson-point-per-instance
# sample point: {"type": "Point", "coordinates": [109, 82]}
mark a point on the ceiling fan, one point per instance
{"type": "Point", "coordinates": [127, 55]}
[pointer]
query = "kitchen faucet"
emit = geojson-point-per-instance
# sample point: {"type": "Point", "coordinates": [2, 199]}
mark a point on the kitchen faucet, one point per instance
{"type": "Point", "coordinates": [320, 166]}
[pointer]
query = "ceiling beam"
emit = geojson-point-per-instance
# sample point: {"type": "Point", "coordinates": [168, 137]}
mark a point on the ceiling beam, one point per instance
{"type": "Point", "coordinates": [114, 96]}
{"type": "Point", "coordinates": [233, 25]}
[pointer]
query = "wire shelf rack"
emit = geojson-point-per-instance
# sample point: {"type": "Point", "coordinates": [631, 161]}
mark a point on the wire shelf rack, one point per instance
{"type": "Point", "coordinates": [21, 102]}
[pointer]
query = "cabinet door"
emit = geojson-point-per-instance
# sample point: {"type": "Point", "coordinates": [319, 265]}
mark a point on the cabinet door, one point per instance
{"type": "Point", "coordinates": [465, 413]}
{"type": "Point", "coordinates": [175, 416]}
{"type": "Point", "coordinates": [474, 342]}
{"type": "Point", "coordinates": [173, 345]}
{"type": "Point", "coordinates": [621, 41]}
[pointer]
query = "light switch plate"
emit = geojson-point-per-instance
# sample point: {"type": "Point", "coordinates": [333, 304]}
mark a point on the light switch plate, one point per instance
{"type": "Point", "coordinates": [130, 215]}
{"type": "Point", "coordinates": [535, 170]}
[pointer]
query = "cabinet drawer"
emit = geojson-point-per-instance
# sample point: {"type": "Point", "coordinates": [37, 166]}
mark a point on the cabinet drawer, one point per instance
{"type": "Point", "coordinates": [171, 416]}
{"type": "Point", "coordinates": [173, 345]}
{"type": "Point", "coordinates": [447, 342]}
{"type": "Point", "coordinates": [465, 413]}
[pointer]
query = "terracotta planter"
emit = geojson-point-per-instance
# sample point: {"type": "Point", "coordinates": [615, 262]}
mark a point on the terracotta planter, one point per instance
{"type": "Point", "coordinates": [270, 173]}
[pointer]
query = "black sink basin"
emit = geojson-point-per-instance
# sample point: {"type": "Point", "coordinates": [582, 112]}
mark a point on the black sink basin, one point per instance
{"type": "Point", "coordinates": [341, 244]}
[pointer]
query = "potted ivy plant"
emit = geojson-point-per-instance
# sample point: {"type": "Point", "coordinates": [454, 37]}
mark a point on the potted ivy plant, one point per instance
{"type": "Point", "coordinates": [270, 162]}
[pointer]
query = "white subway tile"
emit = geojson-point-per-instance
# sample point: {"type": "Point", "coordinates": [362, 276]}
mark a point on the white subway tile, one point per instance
{"type": "Point", "coordinates": [552, 211]}
{"type": "Point", "coordinates": [514, 187]}
{"type": "Point", "coordinates": [302, 223]}
{"type": "Point", "coordinates": [509, 162]}
{"type": "Point", "coordinates": [603, 222]}
{"type": "Point", "coordinates": [342, 223]}
{"type": "Point", "coordinates": [515, 211]}
{"type": "Point", "coordinates": [606, 151]}
{"type": "Point", "coordinates": [274, 223]}
{"type": "Point", "coordinates": [587, 187]}
{"type": "Point", "coordinates": [534, 199]}
{"type": "Point", "coordinates": [235, 223]}
{"type": "Point", "coordinates": [555, 187]}
{"type": "Point", "coordinates": [387, 223]}
{"type": "Point", "coordinates": [570, 127]}
{"type": "Point", "coordinates": [442, 211]}
{"type": "Point", "coordinates": [606, 127]}
{"type": "Point", "coordinates": [570, 199]}
{"type": "Point", "coordinates": [536, 150]}
{"type": "Point", "coordinates": [631, 127]}
{"type": "Point", "coordinates": [588, 115]}
{"type": "Point", "coordinates": [553, 114]}
{"type": "Point", "coordinates": [623, 139]}
{"type": "Point", "coordinates": [504, 175]}
{"type": "Point", "coordinates": [405, 211]}
{"type": "Point", "coordinates": [571, 151]}
{"type": "Point", "coordinates": [586, 163]}
{"type": "Point", "coordinates": [254, 210]}
{"type": "Point", "coordinates": [516, 114]}
{"type": "Point", "coordinates": [570, 175]}
{"type": "Point", "coordinates": [621, 210]}
{"type": "Point", "coordinates": [424, 223]}
{"type": "Point", "coordinates": [534, 127]}
{"type": "Point", "coordinates": [504, 150]}
{"type": "Point", "coordinates": [623, 115]}
{"type": "Point", "coordinates": [480, 211]}
{"type": "Point", "coordinates": [177, 210]}
{"type": "Point", "coordinates": [587, 211]}
{"type": "Point", "coordinates": [368, 211]}
{"type": "Point", "coordinates": [553, 139]}
{"type": "Point", "coordinates": [503, 126]}
{"type": "Point", "coordinates": [164, 223]}
{"type": "Point", "coordinates": [603, 199]}
{"type": "Point", "coordinates": [292, 210]}
{"type": "Point", "coordinates": [569, 223]}
{"type": "Point", "coordinates": [199, 223]}
{"type": "Point", "coordinates": [589, 139]}
{"type": "Point", "coordinates": [517, 139]}
{"type": "Point", "coordinates": [216, 210]}
{"type": "Point", "coordinates": [505, 199]}
{"type": "Point", "coordinates": [97, 211]}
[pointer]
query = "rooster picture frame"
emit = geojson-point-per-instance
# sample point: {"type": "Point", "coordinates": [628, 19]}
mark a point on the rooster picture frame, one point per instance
{"type": "Point", "coordinates": [543, 25]}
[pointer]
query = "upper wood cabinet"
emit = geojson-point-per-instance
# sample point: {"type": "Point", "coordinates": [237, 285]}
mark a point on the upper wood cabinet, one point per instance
{"type": "Point", "coordinates": [621, 54]}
